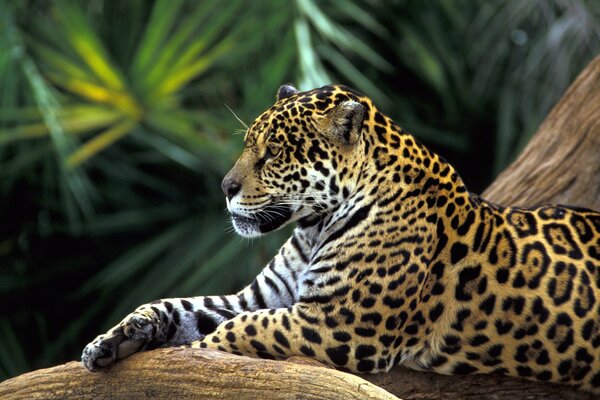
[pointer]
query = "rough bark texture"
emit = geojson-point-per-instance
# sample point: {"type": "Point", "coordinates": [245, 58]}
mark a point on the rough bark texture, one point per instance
{"type": "Point", "coordinates": [178, 373]}
{"type": "Point", "coordinates": [561, 164]}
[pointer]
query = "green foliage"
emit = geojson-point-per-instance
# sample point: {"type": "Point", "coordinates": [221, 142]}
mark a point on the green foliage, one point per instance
{"type": "Point", "coordinates": [115, 130]}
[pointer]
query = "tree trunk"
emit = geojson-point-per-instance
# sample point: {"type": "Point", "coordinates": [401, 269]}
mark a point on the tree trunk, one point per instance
{"type": "Point", "coordinates": [561, 164]}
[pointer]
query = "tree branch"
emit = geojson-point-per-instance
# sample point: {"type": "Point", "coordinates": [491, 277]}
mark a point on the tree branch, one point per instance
{"type": "Point", "coordinates": [176, 373]}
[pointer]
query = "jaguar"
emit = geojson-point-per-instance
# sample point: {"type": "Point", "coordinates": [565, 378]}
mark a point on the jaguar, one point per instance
{"type": "Point", "coordinates": [392, 260]}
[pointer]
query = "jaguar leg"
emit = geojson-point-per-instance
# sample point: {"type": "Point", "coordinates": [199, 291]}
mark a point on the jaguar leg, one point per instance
{"type": "Point", "coordinates": [301, 330]}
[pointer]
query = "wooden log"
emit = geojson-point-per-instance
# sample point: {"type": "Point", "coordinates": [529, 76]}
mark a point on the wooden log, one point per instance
{"type": "Point", "coordinates": [181, 373]}
{"type": "Point", "coordinates": [561, 164]}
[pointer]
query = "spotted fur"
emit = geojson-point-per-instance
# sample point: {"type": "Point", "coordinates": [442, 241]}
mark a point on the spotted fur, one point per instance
{"type": "Point", "coordinates": [392, 261]}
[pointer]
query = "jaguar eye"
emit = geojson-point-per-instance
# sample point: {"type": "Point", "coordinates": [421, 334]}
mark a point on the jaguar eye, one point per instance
{"type": "Point", "coordinates": [272, 151]}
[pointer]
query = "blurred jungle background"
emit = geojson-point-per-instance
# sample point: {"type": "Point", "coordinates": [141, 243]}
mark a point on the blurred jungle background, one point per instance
{"type": "Point", "coordinates": [115, 130]}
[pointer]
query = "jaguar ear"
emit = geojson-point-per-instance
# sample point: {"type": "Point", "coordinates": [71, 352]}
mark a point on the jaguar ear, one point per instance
{"type": "Point", "coordinates": [286, 90]}
{"type": "Point", "coordinates": [344, 121]}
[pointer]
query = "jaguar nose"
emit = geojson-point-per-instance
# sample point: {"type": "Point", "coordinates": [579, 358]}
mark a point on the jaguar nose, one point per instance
{"type": "Point", "coordinates": [230, 187]}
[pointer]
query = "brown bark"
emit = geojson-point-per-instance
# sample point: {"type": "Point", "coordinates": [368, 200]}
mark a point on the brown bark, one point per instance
{"type": "Point", "coordinates": [177, 373]}
{"type": "Point", "coordinates": [561, 164]}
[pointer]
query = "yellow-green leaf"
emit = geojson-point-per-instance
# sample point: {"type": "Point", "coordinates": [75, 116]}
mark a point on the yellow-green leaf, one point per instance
{"type": "Point", "coordinates": [100, 142]}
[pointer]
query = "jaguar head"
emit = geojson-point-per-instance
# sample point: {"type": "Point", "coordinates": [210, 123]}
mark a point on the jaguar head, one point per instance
{"type": "Point", "coordinates": [300, 160]}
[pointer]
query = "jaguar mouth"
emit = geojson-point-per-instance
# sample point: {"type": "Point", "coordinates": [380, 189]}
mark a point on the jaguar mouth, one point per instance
{"type": "Point", "coordinates": [266, 220]}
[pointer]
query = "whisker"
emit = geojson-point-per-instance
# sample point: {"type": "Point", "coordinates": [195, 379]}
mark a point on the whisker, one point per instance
{"type": "Point", "coordinates": [238, 118]}
{"type": "Point", "coordinates": [264, 214]}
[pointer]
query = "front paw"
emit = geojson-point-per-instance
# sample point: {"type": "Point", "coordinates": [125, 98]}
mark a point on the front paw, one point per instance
{"type": "Point", "coordinates": [130, 336]}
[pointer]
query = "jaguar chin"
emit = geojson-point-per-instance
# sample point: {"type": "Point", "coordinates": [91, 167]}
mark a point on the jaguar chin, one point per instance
{"type": "Point", "coordinates": [262, 221]}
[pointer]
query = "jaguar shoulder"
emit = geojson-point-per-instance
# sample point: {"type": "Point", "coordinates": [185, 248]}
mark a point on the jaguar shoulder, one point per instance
{"type": "Point", "coordinates": [392, 261]}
